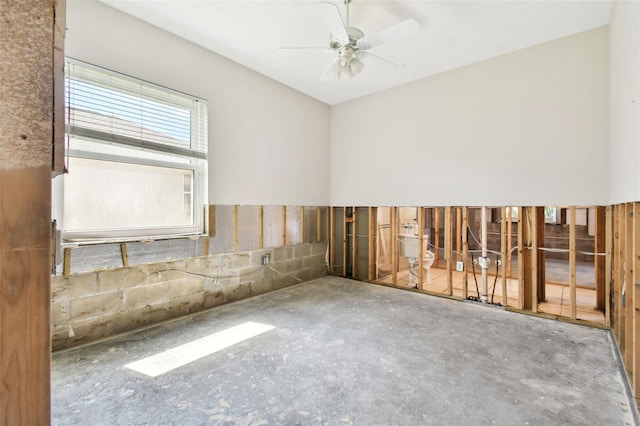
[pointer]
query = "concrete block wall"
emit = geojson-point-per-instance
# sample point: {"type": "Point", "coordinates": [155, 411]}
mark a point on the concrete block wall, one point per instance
{"type": "Point", "coordinates": [96, 304]}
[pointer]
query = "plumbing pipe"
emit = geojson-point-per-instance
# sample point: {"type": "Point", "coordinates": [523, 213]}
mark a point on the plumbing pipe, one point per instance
{"type": "Point", "coordinates": [484, 261]}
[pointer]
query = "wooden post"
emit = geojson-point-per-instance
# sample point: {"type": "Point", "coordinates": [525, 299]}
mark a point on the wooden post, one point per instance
{"type": "Point", "coordinates": [458, 233]}
{"type": "Point", "coordinates": [235, 228]}
{"type": "Point", "coordinates": [332, 239]}
{"type": "Point", "coordinates": [394, 245]}
{"type": "Point", "coordinates": [465, 252]}
{"type": "Point", "coordinates": [373, 242]}
{"type": "Point", "coordinates": [436, 242]}
{"type": "Point", "coordinates": [533, 232]}
{"type": "Point", "coordinates": [572, 261]}
{"type": "Point", "coordinates": [448, 247]}
{"type": "Point", "coordinates": [205, 246]}
{"type": "Point", "coordinates": [635, 302]}
{"type": "Point", "coordinates": [521, 242]}
{"type": "Point", "coordinates": [629, 289]}
{"type": "Point", "coordinates": [318, 224]}
{"type": "Point", "coordinates": [608, 263]}
{"type": "Point", "coordinates": [618, 221]}
{"type": "Point", "coordinates": [344, 241]}
{"type": "Point", "coordinates": [509, 245]}
{"type": "Point", "coordinates": [124, 255]}
{"type": "Point", "coordinates": [261, 226]}
{"type": "Point", "coordinates": [66, 265]}
{"type": "Point", "coordinates": [211, 228]}
{"type": "Point", "coordinates": [284, 226]}
{"type": "Point", "coordinates": [600, 261]}
{"type": "Point", "coordinates": [302, 239]}
{"type": "Point", "coordinates": [422, 247]}
{"type": "Point", "coordinates": [354, 242]}
{"type": "Point", "coordinates": [503, 252]}
{"type": "Point", "coordinates": [30, 41]}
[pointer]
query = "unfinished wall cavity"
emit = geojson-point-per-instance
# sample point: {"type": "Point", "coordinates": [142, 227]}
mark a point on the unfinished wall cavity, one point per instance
{"type": "Point", "coordinates": [111, 288]}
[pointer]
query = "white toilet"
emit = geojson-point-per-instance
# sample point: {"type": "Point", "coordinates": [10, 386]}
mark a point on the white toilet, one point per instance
{"type": "Point", "coordinates": [427, 262]}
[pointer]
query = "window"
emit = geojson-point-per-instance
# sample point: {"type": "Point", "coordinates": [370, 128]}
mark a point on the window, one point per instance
{"type": "Point", "coordinates": [137, 158]}
{"type": "Point", "coordinates": [551, 214]}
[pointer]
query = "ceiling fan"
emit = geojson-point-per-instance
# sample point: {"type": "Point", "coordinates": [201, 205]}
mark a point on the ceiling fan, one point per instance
{"type": "Point", "coordinates": [351, 44]}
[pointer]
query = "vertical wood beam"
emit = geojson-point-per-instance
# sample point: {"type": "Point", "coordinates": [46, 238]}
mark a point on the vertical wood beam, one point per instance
{"type": "Point", "coordinates": [318, 224]}
{"type": "Point", "coordinates": [28, 45]}
{"type": "Point", "coordinates": [448, 247]}
{"type": "Point", "coordinates": [600, 261]}
{"type": "Point", "coordinates": [509, 245]}
{"type": "Point", "coordinates": [465, 252]}
{"type": "Point", "coordinates": [332, 239]}
{"type": "Point", "coordinates": [436, 227]}
{"type": "Point", "coordinates": [521, 242]}
{"type": "Point", "coordinates": [354, 243]}
{"type": "Point", "coordinates": [618, 221]}
{"type": "Point", "coordinates": [205, 246]}
{"type": "Point", "coordinates": [261, 226]}
{"type": "Point", "coordinates": [211, 226]}
{"type": "Point", "coordinates": [344, 241]}
{"type": "Point", "coordinates": [458, 233]}
{"type": "Point", "coordinates": [572, 261]}
{"type": "Point", "coordinates": [422, 247]}
{"type": "Point", "coordinates": [373, 242]}
{"type": "Point", "coordinates": [533, 216]}
{"type": "Point", "coordinates": [66, 264]}
{"type": "Point", "coordinates": [284, 226]}
{"type": "Point", "coordinates": [302, 239]}
{"type": "Point", "coordinates": [629, 290]}
{"type": "Point", "coordinates": [235, 228]}
{"type": "Point", "coordinates": [608, 263]}
{"type": "Point", "coordinates": [635, 295]}
{"type": "Point", "coordinates": [394, 245]}
{"type": "Point", "coordinates": [541, 255]}
{"type": "Point", "coordinates": [503, 252]}
{"type": "Point", "coordinates": [124, 255]}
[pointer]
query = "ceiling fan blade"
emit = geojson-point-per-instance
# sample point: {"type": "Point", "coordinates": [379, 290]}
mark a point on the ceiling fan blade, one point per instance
{"type": "Point", "coordinates": [328, 73]}
{"type": "Point", "coordinates": [404, 29]}
{"type": "Point", "coordinates": [367, 53]}
{"type": "Point", "coordinates": [334, 21]}
{"type": "Point", "coordinates": [314, 48]}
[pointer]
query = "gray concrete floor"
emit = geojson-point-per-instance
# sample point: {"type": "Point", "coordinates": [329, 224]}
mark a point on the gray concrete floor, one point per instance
{"type": "Point", "coordinates": [346, 352]}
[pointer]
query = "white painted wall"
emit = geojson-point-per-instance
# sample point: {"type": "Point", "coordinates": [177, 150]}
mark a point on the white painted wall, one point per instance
{"type": "Point", "coordinates": [624, 48]}
{"type": "Point", "coordinates": [527, 128]}
{"type": "Point", "coordinates": [268, 144]}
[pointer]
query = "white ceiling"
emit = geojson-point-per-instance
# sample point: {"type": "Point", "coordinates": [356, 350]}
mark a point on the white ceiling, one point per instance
{"type": "Point", "coordinates": [452, 34]}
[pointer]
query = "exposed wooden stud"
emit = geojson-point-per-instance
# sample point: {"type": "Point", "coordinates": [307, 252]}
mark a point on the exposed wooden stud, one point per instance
{"type": "Point", "coordinates": [205, 247]}
{"type": "Point", "coordinates": [635, 296]}
{"type": "Point", "coordinates": [284, 226]}
{"type": "Point", "coordinates": [302, 239]}
{"type": "Point", "coordinates": [629, 290]}
{"type": "Point", "coordinates": [448, 247]}
{"type": "Point", "coordinates": [318, 224]}
{"type": "Point", "coordinates": [373, 242]}
{"type": "Point", "coordinates": [521, 242]}
{"type": "Point", "coordinates": [509, 244]}
{"type": "Point", "coordinates": [465, 252]}
{"type": "Point", "coordinates": [235, 228]}
{"type": "Point", "coordinates": [211, 226]}
{"type": "Point", "coordinates": [533, 232]}
{"type": "Point", "coordinates": [66, 265]}
{"type": "Point", "coordinates": [421, 245]}
{"type": "Point", "coordinates": [503, 253]}
{"type": "Point", "coordinates": [618, 223]}
{"type": "Point", "coordinates": [541, 256]}
{"type": "Point", "coordinates": [261, 226]}
{"type": "Point", "coordinates": [124, 255]}
{"type": "Point", "coordinates": [436, 241]}
{"type": "Point", "coordinates": [332, 239]}
{"type": "Point", "coordinates": [458, 233]}
{"type": "Point", "coordinates": [572, 262]}
{"type": "Point", "coordinates": [608, 263]}
{"type": "Point", "coordinates": [600, 261]}
{"type": "Point", "coordinates": [394, 245]}
{"type": "Point", "coordinates": [344, 241]}
{"type": "Point", "coordinates": [354, 243]}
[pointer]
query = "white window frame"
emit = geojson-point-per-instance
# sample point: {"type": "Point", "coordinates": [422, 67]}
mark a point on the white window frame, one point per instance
{"type": "Point", "coordinates": [197, 164]}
